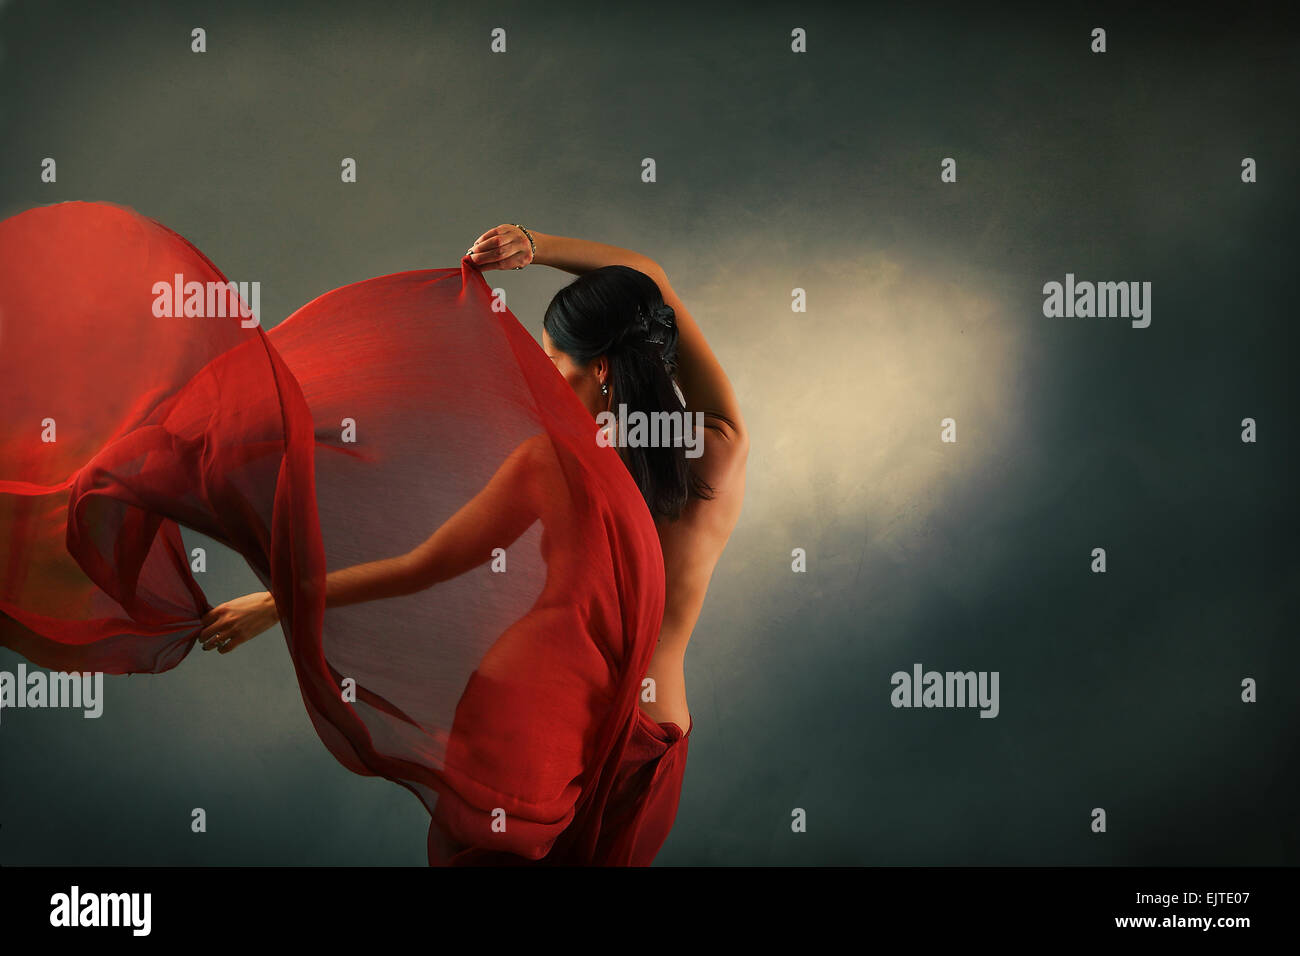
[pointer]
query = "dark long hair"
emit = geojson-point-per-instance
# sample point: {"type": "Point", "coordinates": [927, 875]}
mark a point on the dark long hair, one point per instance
{"type": "Point", "coordinates": [619, 312]}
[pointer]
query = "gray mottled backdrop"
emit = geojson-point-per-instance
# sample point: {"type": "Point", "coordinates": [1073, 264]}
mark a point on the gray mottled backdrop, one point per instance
{"type": "Point", "coordinates": [776, 171]}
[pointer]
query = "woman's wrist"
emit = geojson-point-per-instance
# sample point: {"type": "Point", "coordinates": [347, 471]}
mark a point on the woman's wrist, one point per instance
{"type": "Point", "coordinates": [541, 246]}
{"type": "Point", "coordinates": [579, 256]}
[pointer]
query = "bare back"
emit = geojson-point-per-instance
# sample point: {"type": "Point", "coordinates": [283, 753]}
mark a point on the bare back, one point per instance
{"type": "Point", "coordinates": [691, 547]}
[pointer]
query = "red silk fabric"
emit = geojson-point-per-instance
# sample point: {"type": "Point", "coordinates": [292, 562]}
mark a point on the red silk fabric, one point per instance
{"type": "Point", "coordinates": [505, 700]}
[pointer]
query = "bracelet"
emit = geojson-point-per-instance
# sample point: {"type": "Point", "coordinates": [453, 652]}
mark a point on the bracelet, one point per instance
{"type": "Point", "coordinates": [530, 243]}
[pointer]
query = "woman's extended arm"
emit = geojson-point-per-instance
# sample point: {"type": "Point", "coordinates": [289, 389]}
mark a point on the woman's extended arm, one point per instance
{"type": "Point", "coordinates": [494, 518]}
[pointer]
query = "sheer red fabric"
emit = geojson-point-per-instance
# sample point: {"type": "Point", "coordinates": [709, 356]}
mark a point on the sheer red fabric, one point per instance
{"type": "Point", "coordinates": [503, 696]}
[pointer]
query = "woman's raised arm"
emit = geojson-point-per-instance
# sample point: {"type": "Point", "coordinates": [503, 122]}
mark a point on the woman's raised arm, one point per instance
{"type": "Point", "coordinates": [703, 382]}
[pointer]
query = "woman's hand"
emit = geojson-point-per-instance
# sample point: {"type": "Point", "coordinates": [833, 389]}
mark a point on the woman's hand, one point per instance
{"type": "Point", "coordinates": [505, 247]}
{"type": "Point", "coordinates": [228, 625]}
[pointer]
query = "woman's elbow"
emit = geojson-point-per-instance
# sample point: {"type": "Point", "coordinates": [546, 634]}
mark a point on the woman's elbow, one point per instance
{"type": "Point", "coordinates": [413, 572]}
{"type": "Point", "coordinates": [739, 442]}
{"type": "Point", "coordinates": [732, 439]}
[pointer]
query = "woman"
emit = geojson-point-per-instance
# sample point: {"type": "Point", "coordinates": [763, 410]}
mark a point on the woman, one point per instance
{"type": "Point", "coordinates": [621, 338]}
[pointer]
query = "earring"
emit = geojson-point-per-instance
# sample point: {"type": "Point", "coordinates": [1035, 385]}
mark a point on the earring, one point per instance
{"type": "Point", "coordinates": [604, 389]}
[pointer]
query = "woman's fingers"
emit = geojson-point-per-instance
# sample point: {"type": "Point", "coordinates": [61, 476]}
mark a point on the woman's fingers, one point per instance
{"type": "Point", "coordinates": [489, 236]}
{"type": "Point", "coordinates": [215, 640]}
{"type": "Point", "coordinates": [212, 634]}
{"type": "Point", "coordinates": [235, 641]}
{"type": "Point", "coordinates": [224, 639]}
{"type": "Point", "coordinates": [492, 249]}
{"type": "Point", "coordinates": [499, 230]}
{"type": "Point", "coordinates": [228, 625]}
{"type": "Point", "coordinates": [501, 248]}
{"type": "Point", "coordinates": [502, 258]}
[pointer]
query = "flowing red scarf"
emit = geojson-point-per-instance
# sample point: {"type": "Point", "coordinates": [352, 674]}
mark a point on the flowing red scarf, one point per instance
{"type": "Point", "coordinates": [347, 433]}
